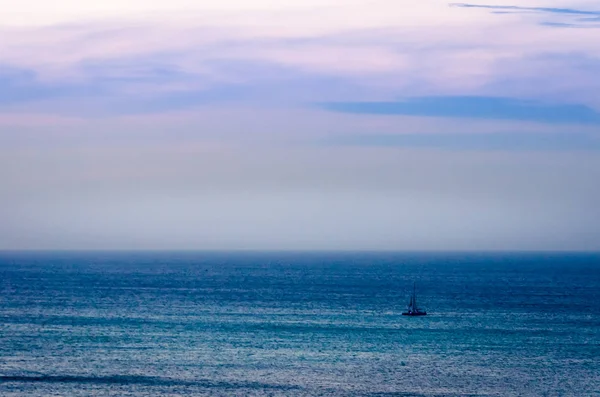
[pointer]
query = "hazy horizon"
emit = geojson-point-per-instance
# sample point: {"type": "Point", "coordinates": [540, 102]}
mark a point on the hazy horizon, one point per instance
{"type": "Point", "coordinates": [300, 252]}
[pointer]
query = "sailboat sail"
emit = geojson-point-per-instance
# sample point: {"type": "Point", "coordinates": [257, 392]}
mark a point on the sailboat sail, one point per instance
{"type": "Point", "coordinates": [412, 309]}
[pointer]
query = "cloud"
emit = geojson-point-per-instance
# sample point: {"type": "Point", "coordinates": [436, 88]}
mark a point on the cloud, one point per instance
{"type": "Point", "coordinates": [551, 10]}
{"type": "Point", "coordinates": [583, 18]}
{"type": "Point", "coordinates": [114, 89]}
{"type": "Point", "coordinates": [476, 141]}
{"type": "Point", "coordinates": [474, 107]}
{"type": "Point", "coordinates": [20, 85]}
{"type": "Point", "coordinates": [135, 61]}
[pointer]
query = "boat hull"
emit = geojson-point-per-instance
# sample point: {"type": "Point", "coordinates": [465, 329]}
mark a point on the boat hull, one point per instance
{"type": "Point", "coordinates": [415, 314]}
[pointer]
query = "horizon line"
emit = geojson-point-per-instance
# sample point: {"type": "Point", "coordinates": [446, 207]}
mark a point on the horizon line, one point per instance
{"type": "Point", "coordinates": [307, 251]}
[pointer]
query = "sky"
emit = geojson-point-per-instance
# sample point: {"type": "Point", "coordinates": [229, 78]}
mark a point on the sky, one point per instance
{"type": "Point", "coordinates": [300, 125]}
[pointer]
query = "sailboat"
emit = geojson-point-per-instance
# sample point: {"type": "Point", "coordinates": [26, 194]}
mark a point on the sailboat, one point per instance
{"type": "Point", "coordinates": [412, 309]}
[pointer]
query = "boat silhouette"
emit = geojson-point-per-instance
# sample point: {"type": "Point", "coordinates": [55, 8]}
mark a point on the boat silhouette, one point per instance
{"type": "Point", "coordinates": [412, 309]}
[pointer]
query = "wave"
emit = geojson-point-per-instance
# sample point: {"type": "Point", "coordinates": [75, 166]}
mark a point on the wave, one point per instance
{"type": "Point", "coordinates": [141, 380]}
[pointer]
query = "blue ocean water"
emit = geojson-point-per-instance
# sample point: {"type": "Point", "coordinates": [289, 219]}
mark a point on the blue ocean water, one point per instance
{"type": "Point", "coordinates": [305, 324]}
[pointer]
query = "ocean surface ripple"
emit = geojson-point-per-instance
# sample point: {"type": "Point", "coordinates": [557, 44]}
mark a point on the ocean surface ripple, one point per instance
{"type": "Point", "coordinates": [298, 324]}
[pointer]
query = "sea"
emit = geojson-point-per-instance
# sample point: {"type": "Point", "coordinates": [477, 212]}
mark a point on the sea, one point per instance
{"type": "Point", "coordinates": [298, 324]}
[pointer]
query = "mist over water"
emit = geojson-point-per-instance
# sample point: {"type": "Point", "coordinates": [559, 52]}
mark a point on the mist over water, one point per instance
{"type": "Point", "coordinates": [273, 324]}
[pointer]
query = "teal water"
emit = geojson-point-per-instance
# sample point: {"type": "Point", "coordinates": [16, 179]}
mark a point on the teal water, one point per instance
{"type": "Point", "coordinates": [285, 324]}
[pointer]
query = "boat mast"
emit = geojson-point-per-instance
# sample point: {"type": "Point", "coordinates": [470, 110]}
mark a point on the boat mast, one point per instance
{"type": "Point", "coordinates": [414, 299]}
